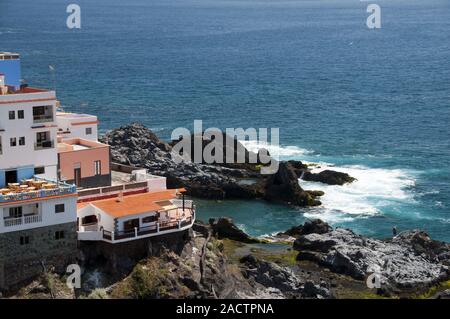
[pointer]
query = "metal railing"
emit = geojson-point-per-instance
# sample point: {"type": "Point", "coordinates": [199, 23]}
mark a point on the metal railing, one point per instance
{"type": "Point", "coordinates": [43, 118]}
{"type": "Point", "coordinates": [44, 145]}
{"type": "Point", "coordinates": [179, 203]}
{"type": "Point", "coordinates": [156, 228]}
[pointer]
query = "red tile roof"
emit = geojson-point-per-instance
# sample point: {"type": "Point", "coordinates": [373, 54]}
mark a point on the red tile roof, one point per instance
{"type": "Point", "coordinates": [133, 204]}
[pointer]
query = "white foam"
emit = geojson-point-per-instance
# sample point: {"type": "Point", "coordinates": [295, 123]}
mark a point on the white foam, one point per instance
{"type": "Point", "coordinates": [275, 151]}
{"type": "Point", "coordinates": [374, 189]}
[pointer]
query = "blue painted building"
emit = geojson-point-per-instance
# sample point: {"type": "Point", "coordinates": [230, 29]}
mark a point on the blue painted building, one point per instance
{"type": "Point", "coordinates": [10, 67]}
{"type": "Point", "coordinates": [20, 173]}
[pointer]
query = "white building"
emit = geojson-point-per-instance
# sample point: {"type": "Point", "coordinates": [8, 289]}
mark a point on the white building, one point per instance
{"type": "Point", "coordinates": [73, 125]}
{"type": "Point", "coordinates": [125, 218]}
{"type": "Point", "coordinates": [37, 212]}
{"type": "Point", "coordinates": [27, 134]}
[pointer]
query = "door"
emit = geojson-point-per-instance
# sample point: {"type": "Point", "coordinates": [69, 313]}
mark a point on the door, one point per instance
{"type": "Point", "coordinates": [77, 176]}
{"type": "Point", "coordinates": [10, 177]}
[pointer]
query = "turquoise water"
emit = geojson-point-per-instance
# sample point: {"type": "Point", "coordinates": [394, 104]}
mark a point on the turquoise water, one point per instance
{"type": "Point", "coordinates": [371, 103]}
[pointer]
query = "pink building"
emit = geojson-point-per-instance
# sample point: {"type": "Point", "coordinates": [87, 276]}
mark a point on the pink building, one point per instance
{"type": "Point", "coordinates": [84, 163]}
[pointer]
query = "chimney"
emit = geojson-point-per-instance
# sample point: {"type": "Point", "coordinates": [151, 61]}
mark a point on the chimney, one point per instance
{"type": "Point", "coordinates": [3, 87]}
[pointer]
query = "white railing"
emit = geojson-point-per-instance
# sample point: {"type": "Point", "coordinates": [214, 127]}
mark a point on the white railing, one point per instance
{"type": "Point", "coordinates": [10, 222]}
{"type": "Point", "coordinates": [31, 219]}
{"type": "Point", "coordinates": [93, 227]}
{"type": "Point", "coordinates": [158, 228]}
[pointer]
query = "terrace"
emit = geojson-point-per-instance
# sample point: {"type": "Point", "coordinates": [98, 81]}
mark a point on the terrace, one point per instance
{"type": "Point", "coordinates": [134, 217]}
{"type": "Point", "coordinates": [34, 188]}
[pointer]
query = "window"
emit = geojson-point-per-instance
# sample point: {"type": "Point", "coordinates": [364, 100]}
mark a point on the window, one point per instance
{"type": "Point", "coordinates": [22, 140]}
{"type": "Point", "coordinates": [39, 170]}
{"type": "Point", "coordinates": [13, 141]}
{"type": "Point", "coordinates": [59, 208]}
{"type": "Point", "coordinates": [15, 212]}
{"type": "Point", "coordinates": [24, 240]}
{"type": "Point", "coordinates": [59, 234]}
{"type": "Point", "coordinates": [97, 167]}
{"type": "Point", "coordinates": [42, 114]}
{"type": "Point", "coordinates": [12, 115]}
{"type": "Point", "coordinates": [43, 140]}
{"type": "Point", "coordinates": [20, 114]}
{"type": "Point", "coordinates": [88, 130]}
{"type": "Point", "coordinates": [42, 136]}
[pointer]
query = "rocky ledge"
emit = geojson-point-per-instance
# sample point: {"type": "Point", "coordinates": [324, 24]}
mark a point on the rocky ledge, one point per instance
{"type": "Point", "coordinates": [217, 260]}
{"type": "Point", "coordinates": [136, 145]}
{"type": "Point", "coordinates": [409, 261]}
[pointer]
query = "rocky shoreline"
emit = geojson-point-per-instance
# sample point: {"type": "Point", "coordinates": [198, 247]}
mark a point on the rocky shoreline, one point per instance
{"type": "Point", "coordinates": [217, 260]}
{"type": "Point", "coordinates": [136, 145]}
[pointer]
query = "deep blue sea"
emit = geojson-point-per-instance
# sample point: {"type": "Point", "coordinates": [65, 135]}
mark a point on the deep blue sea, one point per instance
{"type": "Point", "coordinates": [373, 103]}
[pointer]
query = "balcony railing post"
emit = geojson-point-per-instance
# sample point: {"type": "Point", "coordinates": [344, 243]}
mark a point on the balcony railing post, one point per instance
{"type": "Point", "coordinates": [112, 235]}
{"type": "Point", "coordinates": [135, 232]}
{"type": "Point", "coordinates": [157, 227]}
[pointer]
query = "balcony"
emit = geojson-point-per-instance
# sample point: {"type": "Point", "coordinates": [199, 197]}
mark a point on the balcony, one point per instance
{"type": "Point", "coordinates": [24, 220]}
{"type": "Point", "coordinates": [36, 188]}
{"type": "Point", "coordinates": [44, 145]}
{"type": "Point", "coordinates": [182, 220]}
{"type": "Point", "coordinates": [42, 118]}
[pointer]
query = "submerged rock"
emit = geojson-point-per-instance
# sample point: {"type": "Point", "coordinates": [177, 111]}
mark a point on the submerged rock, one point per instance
{"type": "Point", "coordinates": [328, 177]}
{"type": "Point", "coordinates": [284, 186]}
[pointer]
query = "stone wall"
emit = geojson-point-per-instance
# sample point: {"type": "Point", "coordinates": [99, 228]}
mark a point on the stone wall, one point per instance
{"type": "Point", "coordinates": [20, 263]}
{"type": "Point", "coordinates": [122, 257]}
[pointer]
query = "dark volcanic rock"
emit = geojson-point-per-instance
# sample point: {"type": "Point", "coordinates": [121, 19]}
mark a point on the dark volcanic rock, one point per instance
{"type": "Point", "coordinates": [328, 177]}
{"type": "Point", "coordinates": [136, 145]}
{"type": "Point", "coordinates": [396, 262]}
{"type": "Point", "coordinates": [225, 228]}
{"type": "Point", "coordinates": [270, 274]}
{"type": "Point", "coordinates": [315, 226]}
{"type": "Point", "coordinates": [284, 186]}
{"type": "Point", "coordinates": [312, 290]}
{"type": "Point", "coordinates": [423, 245]}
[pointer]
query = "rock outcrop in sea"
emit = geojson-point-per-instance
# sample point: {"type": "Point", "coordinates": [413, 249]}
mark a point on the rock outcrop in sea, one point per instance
{"type": "Point", "coordinates": [136, 145]}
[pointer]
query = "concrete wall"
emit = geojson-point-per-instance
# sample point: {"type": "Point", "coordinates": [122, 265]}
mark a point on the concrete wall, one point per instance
{"type": "Point", "coordinates": [94, 181]}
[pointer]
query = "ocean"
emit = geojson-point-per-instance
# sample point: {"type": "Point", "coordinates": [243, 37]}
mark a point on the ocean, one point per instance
{"type": "Point", "coordinates": [372, 103]}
